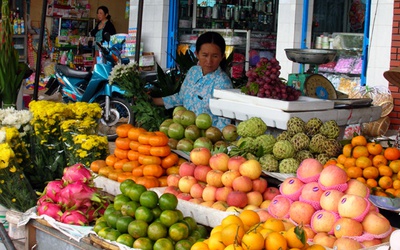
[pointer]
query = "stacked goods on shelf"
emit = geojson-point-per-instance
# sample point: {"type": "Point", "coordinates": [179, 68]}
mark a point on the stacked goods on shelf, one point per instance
{"type": "Point", "coordinates": [140, 155]}
{"type": "Point", "coordinates": [381, 96]}
{"type": "Point", "coordinates": [139, 218]}
{"type": "Point", "coordinates": [72, 199]}
{"type": "Point", "coordinates": [221, 182]}
{"type": "Point", "coordinates": [372, 164]}
{"type": "Point", "coordinates": [283, 154]}
{"type": "Point", "coordinates": [187, 131]}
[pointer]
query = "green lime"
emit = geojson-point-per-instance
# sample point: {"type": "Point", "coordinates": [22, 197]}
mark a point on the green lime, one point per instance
{"type": "Point", "coordinates": [203, 231]}
{"type": "Point", "coordinates": [156, 212]}
{"type": "Point", "coordinates": [135, 191]}
{"type": "Point", "coordinates": [180, 214]}
{"type": "Point", "coordinates": [100, 219]}
{"type": "Point", "coordinates": [112, 218]}
{"type": "Point", "coordinates": [126, 239]}
{"type": "Point", "coordinates": [149, 199]}
{"type": "Point", "coordinates": [123, 223]}
{"type": "Point", "coordinates": [110, 209]}
{"type": "Point", "coordinates": [119, 200]}
{"type": "Point", "coordinates": [196, 234]}
{"type": "Point", "coordinates": [192, 239]}
{"type": "Point", "coordinates": [163, 244]}
{"type": "Point", "coordinates": [103, 232]}
{"type": "Point", "coordinates": [98, 226]}
{"type": "Point", "coordinates": [183, 245]}
{"type": "Point", "coordinates": [169, 217]}
{"type": "Point", "coordinates": [144, 213]}
{"type": "Point", "coordinates": [138, 228]}
{"type": "Point", "coordinates": [157, 230]}
{"type": "Point", "coordinates": [168, 201]}
{"type": "Point", "coordinates": [129, 208]}
{"type": "Point", "coordinates": [126, 183]}
{"type": "Point", "coordinates": [143, 243]}
{"type": "Point", "coordinates": [192, 223]}
{"type": "Point", "coordinates": [113, 235]}
{"type": "Point", "coordinates": [178, 231]}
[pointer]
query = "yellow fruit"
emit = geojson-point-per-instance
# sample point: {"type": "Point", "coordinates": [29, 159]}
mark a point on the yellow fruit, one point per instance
{"type": "Point", "coordinates": [296, 237]}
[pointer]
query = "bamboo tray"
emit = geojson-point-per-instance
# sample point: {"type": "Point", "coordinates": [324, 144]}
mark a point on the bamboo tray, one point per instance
{"type": "Point", "coordinates": [102, 243]}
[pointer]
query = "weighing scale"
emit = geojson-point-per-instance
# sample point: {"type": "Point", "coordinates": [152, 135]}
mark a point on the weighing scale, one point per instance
{"type": "Point", "coordinates": [311, 83]}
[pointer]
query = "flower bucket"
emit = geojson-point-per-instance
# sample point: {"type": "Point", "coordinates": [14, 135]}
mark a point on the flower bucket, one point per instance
{"type": "Point", "coordinates": [15, 232]}
{"type": "Point", "coordinates": [3, 220]}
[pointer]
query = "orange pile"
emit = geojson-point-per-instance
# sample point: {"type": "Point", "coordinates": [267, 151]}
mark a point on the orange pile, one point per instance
{"type": "Point", "coordinates": [140, 155]}
{"type": "Point", "coordinates": [372, 164]}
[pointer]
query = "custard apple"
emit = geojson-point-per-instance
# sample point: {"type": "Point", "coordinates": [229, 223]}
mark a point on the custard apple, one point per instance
{"type": "Point", "coordinates": [283, 136]}
{"type": "Point", "coordinates": [295, 125]}
{"type": "Point", "coordinates": [302, 155]}
{"type": "Point", "coordinates": [283, 149]}
{"type": "Point", "coordinates": [332, 147]}
{"type": "Point", "coordinates": [269, 163]}
{"type": "Point", "coordinates": [247, 144]}
{"type": "Point", "coordinates": [316, 143]}
{"type": "Point", "coordinates": [322, 158]}
{"type": "Point", "coordinates": [330, 129]}
{"type": "Point", "coordinates": [288, 166]}
{"type": "Point", "coordinates": [252, 127]}
{"type": "Point", "coordinates": [312, 126]}
{"type": "Point", "coordinates": [300, 141]}
{"type": "Point", "coordinates": [266, 142]}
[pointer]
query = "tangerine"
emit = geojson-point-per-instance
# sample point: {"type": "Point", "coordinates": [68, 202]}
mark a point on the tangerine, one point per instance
{"type": "Point", "coordinates": [215, 241]}
{"type": "Point", "coordinates": [385, 171]}
{"type": "Point", "coordinates": [359, 151]}
{"type": "Point", "coordinates": [341, 158]}
{"type": "Point", "coordinates": [296, 237]}
{"type": "Point", "coordinates": [361, 179]}
{"type": "Point", "coordinates": [232, 233]}
{"type": "Point", "coordinates": [385, 182]}
{"type": "Point", "coordinates": [371, 173]}
{"type": "Point", "coordinates": [347, 150]}
{"type": "Point", "coordinates": [275, 241]}
{"type": "Point", "coordinates": [249, 218]}
{"type": "Point", "coordinates": [372, 183]}
{"type": "Point", "coordinates": [374, 148]}
{"type": "Point", "coordinates": [349, 162]}
{"type": "Point", "coordinates": [363, 162]}
{"type": "Point", "coordinates": [396, 184]}
{"type": "Point", "coordinates": [275, 225]}
{"type": "Point", "coordinates": [354, 172]}
{"type": "Point", "coordinates": [391, 153]}
{"type": "Point", "coordinates": [253, 240]}
{"type": "Point", "coordinates": [379, 160]}
{"type": "Point", "coordinates": [358, 140]}
{"type": "Point", "coordinates": [395, 166]}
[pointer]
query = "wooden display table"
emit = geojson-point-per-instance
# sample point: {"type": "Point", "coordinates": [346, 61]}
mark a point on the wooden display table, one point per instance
{"type": "Point", "coordinates": [42, 237]}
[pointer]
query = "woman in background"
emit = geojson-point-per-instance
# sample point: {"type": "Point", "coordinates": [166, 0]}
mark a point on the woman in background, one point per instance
{"type": "Point", "coordinates": [104, 25]}
{"type": "Point", "coordinates": [201, 80]}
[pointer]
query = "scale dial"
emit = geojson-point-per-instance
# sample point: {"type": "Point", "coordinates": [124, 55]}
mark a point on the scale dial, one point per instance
{"type": "Point", "coordinates": [319, 87]}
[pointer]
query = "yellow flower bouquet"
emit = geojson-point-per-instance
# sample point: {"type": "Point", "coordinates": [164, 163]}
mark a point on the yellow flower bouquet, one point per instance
{"type": "Point", "coordinates": [16, 191]}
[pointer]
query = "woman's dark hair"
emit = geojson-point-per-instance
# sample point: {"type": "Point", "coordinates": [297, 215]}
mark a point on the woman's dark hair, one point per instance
{"type": "Point", "coordinates": [214, 38]}
{"type": "Point", "coordinates": [105, 10]}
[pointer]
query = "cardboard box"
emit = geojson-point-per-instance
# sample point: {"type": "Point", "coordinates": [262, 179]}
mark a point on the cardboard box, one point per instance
{"type": "Point", "coordinates": [147, 61]}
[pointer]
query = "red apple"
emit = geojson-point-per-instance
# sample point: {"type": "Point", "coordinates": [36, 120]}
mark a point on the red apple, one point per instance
{"type": "Point", "coordinates": [228, 177]}
{"type": "Point", "coordinates": [200, 156]}
{"type": "Point", "coordinates": [196, 191]}
{"type": "Point", "coordinates": [235, 161]}
{"type": "Point", "coordinates": [219, 161]}
{"type": "Point", "coordinates": [173, 180]}
{"type": "Point", "coordinates": [242, 183]}
{"type": "Point", "coordinates": [251, 168]}
{"type": "Point", "coordinates": [187, 169]}
{"type": "Point", "coordinates": [184, 196]}
{"type": "Point", "coordinates": [270, 193]}
{"type": "Point", "coordinates": [221, 194]}
{"type": "Point", "coordinates": [209, 193]}
{"type": "Point", "coordinates": [172, 190]}
{"type": "Point", "coordinates": [200, 172]}
{"type": "Point", "coordinates": [186, 182]}
{"type": "Point", "coordinates": [260, 185]}
{"type": "Point", "coordinates": [214, 178]}
{"type": "Point", "coordinates": [254, 198]}
{"type": "Point", "coordinates": [237, 199]}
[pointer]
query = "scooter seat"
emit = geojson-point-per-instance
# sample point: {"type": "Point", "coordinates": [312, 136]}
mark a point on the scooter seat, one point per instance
{"type": "Point", "coordinates": [67, 71]}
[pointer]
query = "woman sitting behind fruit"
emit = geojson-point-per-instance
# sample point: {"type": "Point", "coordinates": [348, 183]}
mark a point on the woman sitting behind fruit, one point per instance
{"type": "Point", "coordinates": [202, 79]}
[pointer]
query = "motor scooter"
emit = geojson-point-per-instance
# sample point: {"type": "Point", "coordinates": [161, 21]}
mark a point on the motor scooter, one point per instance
{"type": "Point", "coordinates": [93, 86]}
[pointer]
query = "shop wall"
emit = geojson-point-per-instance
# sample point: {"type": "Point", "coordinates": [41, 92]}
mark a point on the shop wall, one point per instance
{"type": "Point", "coordinates": [116, 8]}
{"type": "Point", "coordinates": [395, 62]}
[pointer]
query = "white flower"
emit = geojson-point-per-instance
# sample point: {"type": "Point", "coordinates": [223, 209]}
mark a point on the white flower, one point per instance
{"type": "Point", "coordinates": [2, 136]}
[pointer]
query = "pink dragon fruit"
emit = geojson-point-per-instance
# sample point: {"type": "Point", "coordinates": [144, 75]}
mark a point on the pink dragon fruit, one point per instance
{"type": "Point", "coordinates": [44, 198]}
{"type": "Point", "coordinates": [77, 173]}
{"type": "Point", "coordinates": [50, 209]}
{"type": "Point", "coordinates": [52, 189]}
{"type": "Point", "coordinates": [77, 194]}
{"type": "Point", "coordinates": [74, 217]}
